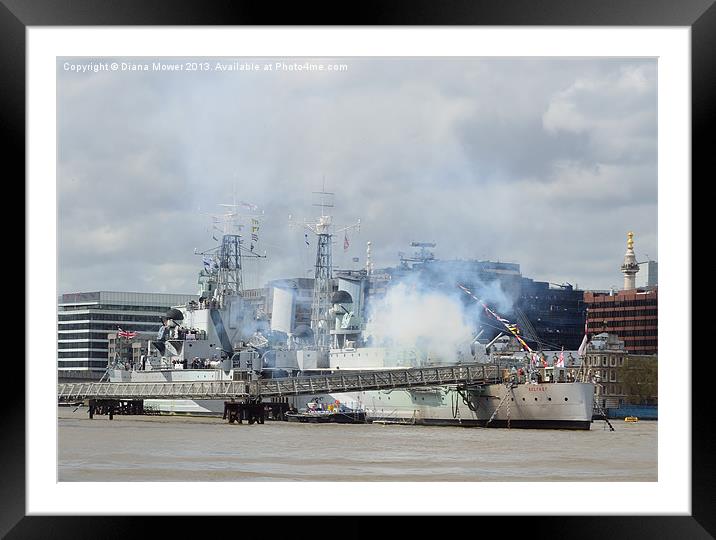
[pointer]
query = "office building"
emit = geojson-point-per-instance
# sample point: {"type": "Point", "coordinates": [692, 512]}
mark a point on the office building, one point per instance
{"type": "Point", "coordinates": [86, 318]}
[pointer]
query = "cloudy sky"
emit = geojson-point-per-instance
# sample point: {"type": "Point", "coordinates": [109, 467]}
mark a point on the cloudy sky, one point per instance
{"type": "Point", "coordinates": [546, 162]}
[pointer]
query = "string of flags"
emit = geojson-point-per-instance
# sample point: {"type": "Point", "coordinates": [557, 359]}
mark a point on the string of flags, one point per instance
{"type": "Point", "coordinates": [535, 357]}
{"type": "Point", "coordinates": [254, 232]}
{"type": "Point", "coordinates": [511, 327]}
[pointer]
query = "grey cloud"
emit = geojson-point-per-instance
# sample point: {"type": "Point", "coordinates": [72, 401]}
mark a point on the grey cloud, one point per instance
{"type": "Point", "coordinates": [478, 155]}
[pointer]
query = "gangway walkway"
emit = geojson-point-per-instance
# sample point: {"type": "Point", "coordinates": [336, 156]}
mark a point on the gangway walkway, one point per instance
{"type": "Point", "coordinates": [468, 374]}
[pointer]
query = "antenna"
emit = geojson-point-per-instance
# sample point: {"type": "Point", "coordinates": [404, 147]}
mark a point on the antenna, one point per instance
{"type": "Point", "coordinates": [323, 193]}
{"type": "Point", "coordinates": [322, 284]}
{"type": "Point", "coordinates": [223, 268]}
{"type": "Point", "coordinates": [421, 256]}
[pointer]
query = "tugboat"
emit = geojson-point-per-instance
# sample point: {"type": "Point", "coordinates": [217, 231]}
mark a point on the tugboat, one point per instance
{"type": "Point", "coordinates": [319, 413]}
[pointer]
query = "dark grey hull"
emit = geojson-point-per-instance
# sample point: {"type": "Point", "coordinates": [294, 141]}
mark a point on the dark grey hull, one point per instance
{"type": "Point", "coordinates": [336, 418]}
{"type": "Point", "coordinates": [517, 424]}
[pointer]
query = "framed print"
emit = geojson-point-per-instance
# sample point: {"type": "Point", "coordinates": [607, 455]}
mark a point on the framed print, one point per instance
{"type": "Point", "coordinates": [490, 136]}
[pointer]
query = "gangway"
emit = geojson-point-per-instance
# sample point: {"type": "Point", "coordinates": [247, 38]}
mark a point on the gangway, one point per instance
{"type": "Point", "coordinates": [461, 374]}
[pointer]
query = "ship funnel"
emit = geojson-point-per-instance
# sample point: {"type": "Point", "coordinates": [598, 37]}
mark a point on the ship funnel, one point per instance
{"type": "Point", "coordinates": [284, 309]}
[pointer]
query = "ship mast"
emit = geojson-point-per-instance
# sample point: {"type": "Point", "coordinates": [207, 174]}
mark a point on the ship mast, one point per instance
{"type": "Point", "coordinates": [323, 274]}
{"type": "Point", "coordinates": [223, 263]}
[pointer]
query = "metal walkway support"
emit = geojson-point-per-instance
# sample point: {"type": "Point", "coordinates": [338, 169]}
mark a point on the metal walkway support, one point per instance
{"type": "Point", "coordinates": [174, 390]}
{"type": "Point", "coordinates": [290, 386]}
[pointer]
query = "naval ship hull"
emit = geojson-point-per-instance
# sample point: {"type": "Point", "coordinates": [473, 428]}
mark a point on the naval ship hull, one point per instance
{"type": "Point", "coordinates": [545, 406]}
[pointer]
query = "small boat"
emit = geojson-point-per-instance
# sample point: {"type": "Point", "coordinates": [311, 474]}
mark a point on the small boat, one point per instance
{"type": "Point", "coordinates": [315, 413]}
{"type": "Point", "coordinates": [328, 417]}
{"type": "Point", "coordinates": [631, 419]}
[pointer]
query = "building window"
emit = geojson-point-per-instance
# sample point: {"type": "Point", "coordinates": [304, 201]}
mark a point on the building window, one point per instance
{"type": "Point", "coordinates": [612, 361]}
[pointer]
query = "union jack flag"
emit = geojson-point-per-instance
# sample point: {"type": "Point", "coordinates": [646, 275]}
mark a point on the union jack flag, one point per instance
{"type": "Point", "coordinates": [126, 333]}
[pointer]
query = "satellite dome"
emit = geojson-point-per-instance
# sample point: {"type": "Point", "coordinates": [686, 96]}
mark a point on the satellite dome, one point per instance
{"type": "Point", "coordinates": [303, 331]}
{"type": "Point", "coordinates": [341, 297]}
{"type": "Point", "coordinates": [175, 314]}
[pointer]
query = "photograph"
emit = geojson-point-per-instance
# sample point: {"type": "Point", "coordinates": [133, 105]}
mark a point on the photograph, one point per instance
{"type": "Point", "coordinates": [357, 268]}
{"type": "Point", "coordinates": [403, 265]}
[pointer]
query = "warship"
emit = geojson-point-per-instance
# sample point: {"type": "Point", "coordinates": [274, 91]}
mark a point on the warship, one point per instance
{"type": "Point", "coordinates": [216, 337]}
{"type": "Point", "coordinates": [223, 336]}
{"type": "Point", "coordinates": [526, 395]}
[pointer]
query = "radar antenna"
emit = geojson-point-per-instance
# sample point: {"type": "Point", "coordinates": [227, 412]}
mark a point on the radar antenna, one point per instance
{"type": "Point", "coordinates": [223, 263]}
{"type": "Point", "coordinates": [421, 256]}
{"type": "Point", "coordinates": [323, 285]}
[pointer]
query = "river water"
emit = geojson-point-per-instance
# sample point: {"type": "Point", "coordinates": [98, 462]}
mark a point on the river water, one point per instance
{"type": "Point", "coordinates": [174, 448]}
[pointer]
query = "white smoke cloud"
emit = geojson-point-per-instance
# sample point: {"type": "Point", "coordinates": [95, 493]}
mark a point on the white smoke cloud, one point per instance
{"type": "Point", "coordinates": [411, 316]}
{"type": "Point", "coordinates": [428, 312]}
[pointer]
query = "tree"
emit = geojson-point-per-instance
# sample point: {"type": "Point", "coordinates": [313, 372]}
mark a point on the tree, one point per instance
{"type": "Point", "coordinates": [638, 377]}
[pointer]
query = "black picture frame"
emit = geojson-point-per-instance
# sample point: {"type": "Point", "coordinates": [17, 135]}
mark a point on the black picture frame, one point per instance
{"type": "Point", "coordinates": [699, 15]}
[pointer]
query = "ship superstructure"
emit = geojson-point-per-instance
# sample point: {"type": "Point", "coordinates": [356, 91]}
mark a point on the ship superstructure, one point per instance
{"type": "Point", "coordinates": [220, 336]}
{"type": "Point", "coordinates": [530, 395]}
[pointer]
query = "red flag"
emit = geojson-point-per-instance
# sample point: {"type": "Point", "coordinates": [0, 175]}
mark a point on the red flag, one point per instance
{"type": "Point", "coordinates": [345, 242]}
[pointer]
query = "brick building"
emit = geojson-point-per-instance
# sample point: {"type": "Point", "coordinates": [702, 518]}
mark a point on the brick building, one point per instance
{"type": "Point", "coordinates": [632, 315]}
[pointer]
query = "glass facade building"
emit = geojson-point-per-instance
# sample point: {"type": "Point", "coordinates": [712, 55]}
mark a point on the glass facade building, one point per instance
{"type": "Point", "coordinates": [85, 319]}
